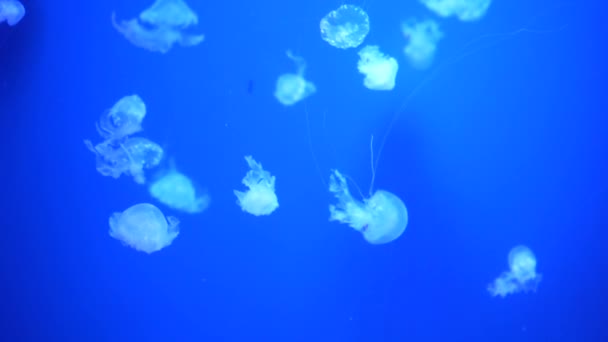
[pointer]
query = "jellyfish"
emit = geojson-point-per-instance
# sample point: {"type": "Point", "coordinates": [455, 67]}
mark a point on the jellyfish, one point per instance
{"type": "Point", "coordinates": [176, 190]}
{"type": "Point", "coordinates": [260, 199]}
{"type": "Point", "coordinates": [11, 11]}
{"type": "Point", "coordinates": [345, 27]}
{"type": "Point", "coordinates": [128, 156]}
{"type": "Point", "coordinates": [465, 10]}
{"type": "Point", "coordinates": [380, 70]}
{"type": "Point", "coordinates": [422, 42]}
{"type": "Point", "coordinates": [381, 218]}
{"type": "Point", "coordinates": [160, 26]}
{"type": "Point", "coordinates": [144, 228]}
{"type": "Point", "coordinates": [123, 119]}
{"type": "Point", "coordinates": [522, 275]}
{"type": "Point", "coordinates": [292, 88]}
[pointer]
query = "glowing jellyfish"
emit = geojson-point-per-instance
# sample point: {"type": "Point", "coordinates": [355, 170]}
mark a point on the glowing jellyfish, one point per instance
{"type": "Point", "coordinates": [522, 275]}
{"type": "Point", "coordinates": [422, 42]}
{"type": "Point", "coordinates": [381, 218]}
{"type": "Point", "coordinates": [11, 11]}
{"type": "Point", "coordinates": [160, 26]}
{"type": "Point", "coordinates": [465, 10]}
{"type": "Point", "coordinates": [128, 156]}
{"type": "Point", "coordinates": [144, 228]}
{"type": "Point", "coordinates": [260, 199]}
{"type": "Point", "coordinates": [123, 119]}
{"type": "Point", "coordinates": [176, 190]}
{"type": "Point", "coordinates": [292, 88]}
{"type": "Point", "coordinates": [345, 27]}
{"type": "Point", "coordinates": [379, 69]}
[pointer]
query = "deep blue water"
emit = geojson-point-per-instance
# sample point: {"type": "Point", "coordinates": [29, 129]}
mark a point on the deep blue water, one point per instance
{"type": "Point", "coordinates": [504, 144]}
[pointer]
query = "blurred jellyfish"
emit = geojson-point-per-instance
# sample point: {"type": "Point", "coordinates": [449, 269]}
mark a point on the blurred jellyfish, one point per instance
{"type": "Point", "coordinates": [422, 42]}
{"type": "Point", "coordinates": [379, 69]}
{"type": "Point", "coordinates": [260, 199]}
{"type": "Point", "coordinates": [292, 88]}
{"type": "Point", "coordinates": [381, 218]}
{"type": "Point", "coordinates": [123, 119]}
{"type": "Point", "coordinates": [345, 27]}
{"type": "Point", "coordinates": [521, 277]}
{"type": "Point", "coordinates": [144, 228]}
{"type": "Point", "coordinates": [160, 26]}
{"type": "Point", "coordinates": [465, 10]}
{"type": "Point", "coordinates": [11, 11]}
{"type": "Point", "coordinates": [128, 156]}
{"type": "Point", "coordinates": [176, 190]}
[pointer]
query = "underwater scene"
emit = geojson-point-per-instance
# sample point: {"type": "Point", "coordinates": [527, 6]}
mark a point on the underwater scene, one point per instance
{"type": "Point", "coordinates": [365, 171]}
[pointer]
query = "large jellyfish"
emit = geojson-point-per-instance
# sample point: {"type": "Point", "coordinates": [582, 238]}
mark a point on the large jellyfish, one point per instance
{"type": "Point", "coordinates": [123, 119]}
{"type": "Point", "coordinates": [379, 69]}
{"type": "Point", "coordinates": [160, 26]}
{"type": "Point", "coordinates": [465, 10]}
{"type": "Point", "coordinates": [11, 11]}
{"type": "Point", "coordinates": [144, 228]}
{"type": "Point", "coordinates": [381, 218]}
{"type": "Point", "coordinates": [260, 199]}
{"type": "Point", "coordinates": [345, 27]}
{"type": "Point", "coordinates": [521, 277]}
{"type": "Point", "coordinates": [292, 88]}
{"type": "Point", "coordinates": [422, 42]}
{"type": "Point", "coordinates": [176, 190]}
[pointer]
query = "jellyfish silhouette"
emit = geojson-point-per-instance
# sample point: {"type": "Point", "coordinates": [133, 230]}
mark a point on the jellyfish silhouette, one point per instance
{"type": "Point", "coordinates": [291, 88]}
{"type": "Point", "coordinates": [11, 11]}
{"type": "Point", "coordinates": [380, 70]}
{"type": "Point", "coordinates": [522, 275]}
{"type": "Point", "coordinates": [260, 199]}
{"type": "Point", "coordinates": [422, 38]}
{"type": "Point", "coordinates": [465, 10]}
{"type": "Point", "coordinates": [345, 27]}
{"type": "Point", "coordinates": [176, 191]}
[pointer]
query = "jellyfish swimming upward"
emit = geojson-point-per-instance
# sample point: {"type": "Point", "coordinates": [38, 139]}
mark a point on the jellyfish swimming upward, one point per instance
{"type": "Point", "coordinates": [381, 218]}
{"type": "Point", "coordinates": [11, 11]}
{"type": "Point", "coordinates": [522, 275]}
{"type": "Point", "coordinates": [292, 88]}
{"type": "Point", "coordinates": [260, 199]}
{"type": "Point", "coordinates": [176, 191]}
{"type": "Point", "coordinates": [379, 69]}
{"type": "Point", "coordinates": [345, 27]}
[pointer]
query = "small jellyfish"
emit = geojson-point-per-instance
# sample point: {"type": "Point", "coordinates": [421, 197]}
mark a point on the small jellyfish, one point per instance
{"type": "Point", "coordinates": [465, 10]}
{"type": "Point", "coordinates": [345, 27]}
{"type": "Point", "coordinates": [379, 69]}
{"type": "Point", "coordinates": [381, 218]}
{"type": "Point", "coordinates": [260, 199]}
{"type": "Point", "coordinates": [160, 26]}
{"type": "Point", "coordinates": [176, 190]}
{"type": "Point", "coordinates": [292, 88]}
{"type": "Point", "coordinates": [11, 11]}
{"type": "Point", "coordinates": [422, 42]}
{"type": "Point", "coordinates": [522, 275]}
{"type": "Point", "coordinates": [144, 228]}
{"type": "Point", "coordinates": [123, 119]}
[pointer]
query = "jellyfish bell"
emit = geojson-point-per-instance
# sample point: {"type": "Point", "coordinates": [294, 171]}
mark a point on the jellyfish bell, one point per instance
{"type": "Point", "coordinates": [173, 13]}
{"type": "Point", "coordinates": [522, 275]}
{"type": "Point", "coordinates": [123, 119]}
{"type": "Point", "coordinates": [11, 11]}
{"type": "Point", "coordinates": [293, 87]}
{"type": "Point", "coordinates": [346, 27]}
{"type": "Point", "coordinates": [379, 69]}
{"type": "Point", "coordinates": [522, 263]}
{"type": "Point", "coordinates": [178, 192]}
{"type": "Point", "coordinates": [465, 10]}
{"type": "Point", "coordinates": [260, 198]}
{"type": "Point", "coordinates": [422, 38]}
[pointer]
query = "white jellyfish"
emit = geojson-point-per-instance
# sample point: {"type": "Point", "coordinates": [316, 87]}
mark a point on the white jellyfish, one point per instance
{"type": "Point", "coordinates": [123, 119]}
{"type": "Point", "coordinates": [11, 11]}
{"type": "Point", "coordinates": [176, 190]}
{"type": "Point", "coordinates": [381, 218]}
{"type": "Point", "coordinates": [465, 10]}
{"type": "Point", "coordinates": [260, 199]}
{"type": "Point", "coordinates": [144, 228]}
{"type": "Point", "coordinates": [522, 275]}
{"type": "Point", "coordinates": [160, 26]}
{"type": "Point", "coordinates": [345, 27]}
{"type": "Point", "coordinates": [422, 42]}
{"type": "Point", "coordinates": [379, 69]}
{"type": "Point", "coordinates": [291, 88]}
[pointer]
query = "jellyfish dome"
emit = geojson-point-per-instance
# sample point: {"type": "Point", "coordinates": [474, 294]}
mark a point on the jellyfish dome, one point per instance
{"type": "Point", "coordinates": [144, 228]}
{"type": "Point", "coordinates": [174, 13]}
{"type": "Point", "coordinates": [382, 218]}
{"type": "Point", "coordinates": [345, 27]}
{"type": "Point", "coordinates": [522, 263]}
{"type": "Point", "coordinates": [522, 275]}
{"type": "Point", "coordinates": [465, 10]}
{"type": "Point", "coordinates": [422, 42]}
{"type": "Point", "coordinates": [11, 11]}
{"type": "Point", "coordinates": [260, 199]}
{"type": "Point", "coordinates": [380, 70]}
{"type": "Point", "coordinates": [123, 119]}
{"type": "Point", "coordinates": [177, 191]}
{"type": "Point", "coordinates": [292, 88]}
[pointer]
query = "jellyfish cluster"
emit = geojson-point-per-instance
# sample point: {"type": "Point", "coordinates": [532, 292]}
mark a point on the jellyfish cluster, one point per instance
{"type": "Point", "coordinates": [11, 12]}
{"type": "Point", "coordinates": [521, 276]}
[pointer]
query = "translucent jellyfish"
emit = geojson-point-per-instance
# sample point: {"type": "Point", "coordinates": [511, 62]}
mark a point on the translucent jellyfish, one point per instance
{"type": "Point", "coordinates": [521, 277]}
{"type": "Point", "coordinates": [11, 11]}
{"type": "Point", "coordinates": [381, 218]}
{"type": "Point", "coordinates": [123, 119]}
{"type": "Point", "coordinates": [465, 10]}
{"type": "Point", "coordinates": [422, 42]}
{"type": "Point", "coordinates": [292, 88]}
{"type": "Point", "coordinates": [379, 69]}
{"type": "Point", "coordinates": [160, 26]}
{"type": "Point", "coordinates": [345, 27]}
{"type": "Point", "coordinates": [260, 199]}
{"type": "Point", "coordinates": [144, 228]}
{"type": "Point", "coordinates": [128, 156]}
{"type": "Point", "coordinates": [176, 190]}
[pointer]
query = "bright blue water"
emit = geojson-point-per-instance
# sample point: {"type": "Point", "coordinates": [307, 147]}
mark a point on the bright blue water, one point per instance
{"type": "Point", "coordinates": [505, 146]}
